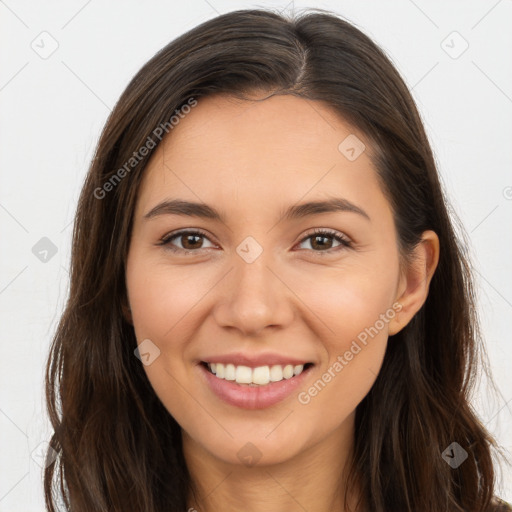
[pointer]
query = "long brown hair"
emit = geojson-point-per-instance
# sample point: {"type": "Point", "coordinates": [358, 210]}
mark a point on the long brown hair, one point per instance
{"type": "Point", "coordinates": [118, 447]}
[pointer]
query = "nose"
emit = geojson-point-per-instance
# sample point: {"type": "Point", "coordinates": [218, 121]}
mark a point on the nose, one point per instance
{"type": "Point", "coordinates": [254, 297]}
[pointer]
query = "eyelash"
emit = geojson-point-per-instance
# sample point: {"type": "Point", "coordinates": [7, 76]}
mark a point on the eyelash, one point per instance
{"type": "Point", "coordinates": [345, 243]}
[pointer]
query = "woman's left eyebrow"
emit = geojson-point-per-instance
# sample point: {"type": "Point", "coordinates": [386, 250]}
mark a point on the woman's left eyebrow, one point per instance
{"type": "Point", "coordinates": [333, 205]}
{"type": "Point", "coordinates": [202, 210]}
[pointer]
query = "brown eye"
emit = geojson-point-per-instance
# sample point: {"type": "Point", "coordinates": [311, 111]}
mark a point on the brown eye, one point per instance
{"type": "Point", "coordinates": [191, 241]}
{"type": "Point", "coordinates": [322, 241]}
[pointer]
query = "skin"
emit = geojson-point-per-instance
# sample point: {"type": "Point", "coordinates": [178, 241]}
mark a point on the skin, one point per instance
{"type": "Point", "coordinates": [251, 160]}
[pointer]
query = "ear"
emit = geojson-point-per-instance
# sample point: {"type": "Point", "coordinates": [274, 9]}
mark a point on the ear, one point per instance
{"type": "Point", "coordinates": [415, 281]}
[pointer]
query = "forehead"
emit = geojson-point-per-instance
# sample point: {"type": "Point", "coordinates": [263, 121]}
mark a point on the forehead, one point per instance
{"type": "Point", "coordinates": [289, 127]}
{"type": "Point", "coordinates": [278, 150]}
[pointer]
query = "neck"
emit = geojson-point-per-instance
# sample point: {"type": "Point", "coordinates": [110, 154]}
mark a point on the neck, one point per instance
{"type": "Point", "coordinates": [315, 479]}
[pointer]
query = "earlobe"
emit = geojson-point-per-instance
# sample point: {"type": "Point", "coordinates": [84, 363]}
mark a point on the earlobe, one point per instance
{"type": "Point", "coordinates": [415, 282]}
{"type": "Point", "coordinates": [395, 323]}
{"type": "Point", "coordinates": [127, 312]}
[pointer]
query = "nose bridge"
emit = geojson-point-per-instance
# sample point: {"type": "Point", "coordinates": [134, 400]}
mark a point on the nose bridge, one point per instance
{"type": "Point", "coordinates": [254, 298]}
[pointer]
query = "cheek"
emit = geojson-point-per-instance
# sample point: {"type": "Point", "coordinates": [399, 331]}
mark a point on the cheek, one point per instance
{"type": "Point", "coordinates": [356, 307]}
{"type": "Point", "coordinates": [353, 357]}
{"type": "Point", "coordinates": [162, 302]}
{"type": "Point", "coordinates": [351, 301]}
{"type": "Point", "coordinates": [162, 299]}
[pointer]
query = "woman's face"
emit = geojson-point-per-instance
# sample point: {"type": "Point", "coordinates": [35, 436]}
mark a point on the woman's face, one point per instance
{"type": "Point", "coordinates": [258, 291]}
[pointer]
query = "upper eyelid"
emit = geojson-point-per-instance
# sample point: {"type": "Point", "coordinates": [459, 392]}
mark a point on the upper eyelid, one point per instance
{"type": "Point", "coordinates": [192, 231]}
{"type": "Point", "coordinates": [197, 231]}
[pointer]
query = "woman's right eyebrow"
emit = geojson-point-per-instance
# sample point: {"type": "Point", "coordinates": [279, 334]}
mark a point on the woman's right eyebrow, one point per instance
{"type": "Point", "coordinates": [186, 208]}
{"type": "Point", "coordinates": [202, 210]}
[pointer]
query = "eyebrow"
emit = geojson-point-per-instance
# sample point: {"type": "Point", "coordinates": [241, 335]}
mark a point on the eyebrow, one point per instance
{"type": "Point", "coordinates": [202, 210]}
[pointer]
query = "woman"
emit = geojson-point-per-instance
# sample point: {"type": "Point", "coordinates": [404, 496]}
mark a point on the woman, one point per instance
{"type": "Point", "coordinates": [269, 308]}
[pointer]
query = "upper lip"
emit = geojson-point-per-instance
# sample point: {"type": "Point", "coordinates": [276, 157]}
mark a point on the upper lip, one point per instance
{"type": "Point", "coordinates": [255, 360]}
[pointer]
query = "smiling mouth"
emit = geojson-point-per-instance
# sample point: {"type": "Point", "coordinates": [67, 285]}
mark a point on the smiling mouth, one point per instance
{"type": "Point", "coordinates": [258, 376]}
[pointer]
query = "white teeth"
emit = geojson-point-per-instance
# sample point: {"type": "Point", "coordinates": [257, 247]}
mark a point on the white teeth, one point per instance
{"type": "Point", "coordinates": [276, 373]}
{"type": "Point", "coordinates": [229, 372]}
{"type": "Point", "coordinates": [288, 371]}
{"type": "Point", "coordinates": [260, 375]}
{"type": "Point", "coordinates": [243, 375]}
{"type": "Point", "coordinates": [220, 371]}
{"type": "Point", "coordinates": [297, 370]}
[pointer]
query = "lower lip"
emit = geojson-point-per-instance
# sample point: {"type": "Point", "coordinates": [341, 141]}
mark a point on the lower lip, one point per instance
{"type": "Point", "coordinates": [252, 397]}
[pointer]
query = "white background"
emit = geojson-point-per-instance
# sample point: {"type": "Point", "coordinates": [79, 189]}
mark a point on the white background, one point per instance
{"type": "Point", "coordinates": [52, 111]}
